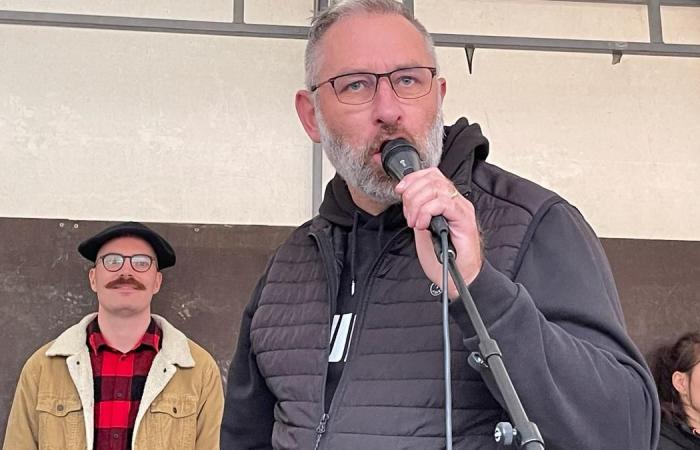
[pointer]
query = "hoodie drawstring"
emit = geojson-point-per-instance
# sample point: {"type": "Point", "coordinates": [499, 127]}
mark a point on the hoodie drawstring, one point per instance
{"type": "Point", "coordinates": [353, 250]}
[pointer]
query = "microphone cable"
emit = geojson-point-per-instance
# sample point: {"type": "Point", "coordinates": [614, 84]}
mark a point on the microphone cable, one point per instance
{"type": "Point", "coordinates": [444, 256]}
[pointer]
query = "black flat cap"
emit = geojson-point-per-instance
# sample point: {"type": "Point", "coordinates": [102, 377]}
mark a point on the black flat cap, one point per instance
{"type": "Point", "coordinates": [164, 252]}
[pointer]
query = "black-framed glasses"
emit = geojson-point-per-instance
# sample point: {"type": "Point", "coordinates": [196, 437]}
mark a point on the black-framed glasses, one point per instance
{"type": "Point", "coordinates": [361, 87]}
{"type": "Point", "coordinates": [113, 262]}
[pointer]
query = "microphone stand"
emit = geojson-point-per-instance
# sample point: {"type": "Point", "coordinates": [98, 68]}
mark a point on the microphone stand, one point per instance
{"type": "Point", "coordinates": [400, 158]}
{"type": "Point", "coordinates": [525, 433]}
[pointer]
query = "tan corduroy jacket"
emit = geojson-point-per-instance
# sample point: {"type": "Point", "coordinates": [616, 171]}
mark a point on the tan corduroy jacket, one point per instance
{"type": "Point", "coordinates": [181, 406]}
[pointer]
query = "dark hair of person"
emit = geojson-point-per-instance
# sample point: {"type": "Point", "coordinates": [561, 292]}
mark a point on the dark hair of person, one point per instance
{"type": "Point", "coordinates": [681, 356]}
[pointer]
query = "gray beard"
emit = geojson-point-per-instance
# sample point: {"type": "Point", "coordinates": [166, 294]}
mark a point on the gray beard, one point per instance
{"type": "Point", "coordinates": [354, 164]}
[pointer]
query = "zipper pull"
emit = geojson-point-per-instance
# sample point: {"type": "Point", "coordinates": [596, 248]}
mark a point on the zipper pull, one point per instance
{"type": "Point", "coordinates": [352, 288]}
{"type": "Point", "coordinates": [320, 429]}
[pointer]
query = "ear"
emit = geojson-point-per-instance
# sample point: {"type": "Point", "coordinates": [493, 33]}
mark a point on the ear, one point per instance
{"type": "Point", "coordinates": [680, 382]}
{"type": "Point", "coordinates": [93, 282]}
{"type": "Point", "coordinates": [158, 282]}
{"type": "Point", "coordinates": [442, 85]}
{"type": "Point", "coordinates": [307, 114]}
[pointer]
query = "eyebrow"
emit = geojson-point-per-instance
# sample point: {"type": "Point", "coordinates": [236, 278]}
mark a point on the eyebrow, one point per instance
{"type": "Point", "coordinates": [349, 71]}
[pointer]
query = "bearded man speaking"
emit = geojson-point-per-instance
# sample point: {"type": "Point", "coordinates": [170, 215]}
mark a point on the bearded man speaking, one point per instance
{"type": "Point", "coordinates": [341, 347]}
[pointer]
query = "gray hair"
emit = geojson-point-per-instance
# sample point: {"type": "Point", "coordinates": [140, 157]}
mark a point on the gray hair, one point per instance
{"type": "Point", "coordinates": [344, 8]}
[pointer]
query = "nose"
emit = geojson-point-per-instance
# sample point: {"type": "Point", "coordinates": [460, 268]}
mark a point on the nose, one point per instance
{"type": "Point", "coordinates": [387, 108]}
{"type": "Point", "coordinates": [126, 268]}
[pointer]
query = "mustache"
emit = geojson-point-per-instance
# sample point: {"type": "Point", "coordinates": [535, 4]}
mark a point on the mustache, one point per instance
{"type": "Point", "coordinates": [385, 134]}
{"type": "Point", "coordinates": [126, 281]}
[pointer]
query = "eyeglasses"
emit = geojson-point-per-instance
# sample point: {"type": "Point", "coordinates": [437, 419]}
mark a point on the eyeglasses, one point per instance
{"type": "Point", "coordinates": [112, 262]}
{"type": "Point", "coordinates": [359, 88]}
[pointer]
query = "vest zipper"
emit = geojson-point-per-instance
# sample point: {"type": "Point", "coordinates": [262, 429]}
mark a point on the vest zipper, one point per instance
{"type": "Point", "coordinates": [327, 258]}
{"type": "Point", "coordinates": [320, 429]}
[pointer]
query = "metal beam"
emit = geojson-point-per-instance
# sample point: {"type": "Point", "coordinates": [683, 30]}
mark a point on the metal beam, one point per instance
{"type": "Point", "coordinates": [654, 15]}
{"type": "Point", "coordinates": [301, 32]}
{"type": "Point", "coordinates": [637, 2]}
{"type": "Point", "coordinates": [316, 177]}
{"type": "Point", "coordinates": [238, 11]}
{"type": "Point", "coordinates": [320, 5]}
{"type": "Point", "coordinates": [410, 6]}
{"type": "Point", "coordinates": [566, 45]}
{"type": "Point", "coordinates": [316, 149]}
{"type": "Point", "coordinates": [152, 25]}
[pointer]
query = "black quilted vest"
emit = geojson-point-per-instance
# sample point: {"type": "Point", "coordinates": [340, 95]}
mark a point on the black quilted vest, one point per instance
{"type": "Point", "coordinates": [391, 394]}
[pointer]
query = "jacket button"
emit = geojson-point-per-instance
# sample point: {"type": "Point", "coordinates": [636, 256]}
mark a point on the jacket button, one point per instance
{"type": "Point", "coordinates": [59, 408]}
{"type": "Point", "coordinates": [174, 410]}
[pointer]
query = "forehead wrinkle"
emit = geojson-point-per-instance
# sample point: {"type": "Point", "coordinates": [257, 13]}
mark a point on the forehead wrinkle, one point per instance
{"type": "Point", "coordinates": [348, 38]}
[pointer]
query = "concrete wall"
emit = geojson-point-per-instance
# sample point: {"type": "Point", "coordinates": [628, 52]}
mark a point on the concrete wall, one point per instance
{"type": "Point", "coordinates": [202, 129]}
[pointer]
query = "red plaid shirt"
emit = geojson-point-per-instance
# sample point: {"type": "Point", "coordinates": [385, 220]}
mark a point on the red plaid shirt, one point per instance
{"type": "Point", "coordinates": [118, 380]}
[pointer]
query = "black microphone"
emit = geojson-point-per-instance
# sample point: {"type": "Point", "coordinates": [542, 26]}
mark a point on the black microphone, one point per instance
{"type": "Point", "coordinates": [399, 158]}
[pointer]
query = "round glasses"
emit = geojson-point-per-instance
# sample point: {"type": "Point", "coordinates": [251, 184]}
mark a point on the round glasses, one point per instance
{"type": "Point", "coordinates": [361, 87]}
{"type": "Point", "coordinates": [113, 262]}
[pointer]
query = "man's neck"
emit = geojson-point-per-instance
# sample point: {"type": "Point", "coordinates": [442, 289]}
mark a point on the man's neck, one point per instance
{"type": "Point", "coordinates": [366, 203]}
{"type": "Point", "coordinates": [123, 333]}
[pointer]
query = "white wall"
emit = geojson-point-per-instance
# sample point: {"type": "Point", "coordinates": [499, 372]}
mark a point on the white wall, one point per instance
{"type": "Point", "coordinates": [114, 125]}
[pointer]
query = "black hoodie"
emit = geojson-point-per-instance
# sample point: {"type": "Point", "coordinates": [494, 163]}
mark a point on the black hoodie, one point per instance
{"type": "Point", "coordinates": [365, 235]}
{"type": "Point", "coordinates": [545, 293]}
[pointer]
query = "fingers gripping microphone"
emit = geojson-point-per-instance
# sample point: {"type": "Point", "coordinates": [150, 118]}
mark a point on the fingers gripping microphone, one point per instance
{"type": "Point", "coordinates": [399, 158]}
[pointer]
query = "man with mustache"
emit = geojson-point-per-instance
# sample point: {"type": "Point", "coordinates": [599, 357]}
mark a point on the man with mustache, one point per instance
{"type": "Point", "coordinates": [341, 344]}
{"type": "Point", "coordinates": [122, 378]}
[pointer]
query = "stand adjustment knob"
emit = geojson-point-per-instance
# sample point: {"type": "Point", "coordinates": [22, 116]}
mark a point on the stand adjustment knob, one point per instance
{"type": "Point", "coordinates": [504, 433]}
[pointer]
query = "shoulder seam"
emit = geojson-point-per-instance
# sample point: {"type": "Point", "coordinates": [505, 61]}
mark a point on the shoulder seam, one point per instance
{"type": "Point", "coordinates": [532, 227]}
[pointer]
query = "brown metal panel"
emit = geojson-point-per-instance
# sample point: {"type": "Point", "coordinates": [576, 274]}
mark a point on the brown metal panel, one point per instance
{"type": "Point", "coordinates": [44, 287]}
{"type": "Point", "coordinates": [659, 286]}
